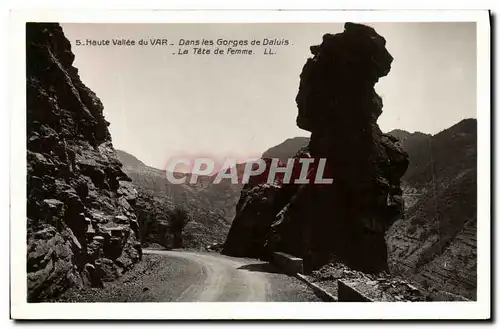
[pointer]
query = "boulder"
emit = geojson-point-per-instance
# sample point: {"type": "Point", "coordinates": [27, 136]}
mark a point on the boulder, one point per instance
{"type": "Point", "coordinates": [50, 265]}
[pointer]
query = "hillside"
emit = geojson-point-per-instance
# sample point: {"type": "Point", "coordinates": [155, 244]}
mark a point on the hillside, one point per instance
{"type": "Point", "coordinates": [210, 207]}
{"type": "Point", "coordinates": [436, 242]}
{"type": "Point", "coordinates": [129, 161]}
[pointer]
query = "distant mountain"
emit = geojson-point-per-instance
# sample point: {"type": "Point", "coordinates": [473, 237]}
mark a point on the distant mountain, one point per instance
{"type": "Point", "coordinates": [418, 146]}
{"type": "Point", "coordinates": [436, 242]}
{"type": "Point", "coordinates": [129, 161]}
{"type": "Point", "coordinates": [210, 206]}
{"type": "Point", "coordinates": [287, 149]}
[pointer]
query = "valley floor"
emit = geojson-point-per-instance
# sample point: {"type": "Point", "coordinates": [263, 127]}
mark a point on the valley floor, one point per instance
{"type": "Point", "coordinates": [186, 276]}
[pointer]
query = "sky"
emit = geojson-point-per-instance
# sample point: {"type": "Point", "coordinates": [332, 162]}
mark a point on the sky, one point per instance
{"type": "Point", "coordinates": [161, 104]}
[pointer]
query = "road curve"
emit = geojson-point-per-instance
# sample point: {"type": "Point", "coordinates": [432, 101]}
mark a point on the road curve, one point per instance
{"type": "Point", "coordinates": [211, 277]}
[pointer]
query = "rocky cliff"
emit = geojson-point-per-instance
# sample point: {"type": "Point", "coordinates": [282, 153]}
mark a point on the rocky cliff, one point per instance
{"type": "Point", "coordinates": [81, 227]}
{"type": "Point", "coordinates": [337, 103]}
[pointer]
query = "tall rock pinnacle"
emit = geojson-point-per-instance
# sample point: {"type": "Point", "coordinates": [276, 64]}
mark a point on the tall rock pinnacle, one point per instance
{"type": "Point", "coordinates": [338, 104]}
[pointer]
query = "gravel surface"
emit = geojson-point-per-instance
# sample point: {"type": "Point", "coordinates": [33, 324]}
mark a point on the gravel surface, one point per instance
{"type": "Point", "coordinates": [378, 287]}
{"type": "Point", "coordinates": [165, 276]}
{"type": "Point", "coordinates": [149, 281]}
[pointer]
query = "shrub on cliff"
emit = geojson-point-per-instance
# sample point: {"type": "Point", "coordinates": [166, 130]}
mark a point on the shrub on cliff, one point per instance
{"type": "Point", "coordinates": [178, 221]}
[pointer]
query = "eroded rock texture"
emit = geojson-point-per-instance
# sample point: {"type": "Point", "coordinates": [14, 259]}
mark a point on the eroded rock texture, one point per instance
{"type": "Point", "coordinates": [337, 103]}
{"type": "Point", "coordinates": [81, 228]}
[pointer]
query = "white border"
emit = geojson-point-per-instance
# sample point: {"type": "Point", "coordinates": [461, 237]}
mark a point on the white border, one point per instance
{"type": "Point", "coordinates": [436, 310]}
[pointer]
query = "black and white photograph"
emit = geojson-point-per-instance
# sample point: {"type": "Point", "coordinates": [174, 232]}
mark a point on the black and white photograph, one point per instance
{"type": "Point", "coordinates": [221, 161]}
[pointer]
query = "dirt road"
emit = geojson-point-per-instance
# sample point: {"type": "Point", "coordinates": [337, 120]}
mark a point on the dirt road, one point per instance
{"type": "Point", "coordinates": [214, 277]}
{"type": "Point", "coordinates": [188, 276]}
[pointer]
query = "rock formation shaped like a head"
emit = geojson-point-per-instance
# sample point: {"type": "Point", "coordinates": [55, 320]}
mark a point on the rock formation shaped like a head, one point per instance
{"type": "Point", "coordinates": [338, 104]}
{"type": "Point", "coordinates": [341, 75]}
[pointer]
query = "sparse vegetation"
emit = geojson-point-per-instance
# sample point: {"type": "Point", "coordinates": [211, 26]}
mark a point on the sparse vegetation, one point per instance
{"type": "Point", "coordinates": [178, 221]}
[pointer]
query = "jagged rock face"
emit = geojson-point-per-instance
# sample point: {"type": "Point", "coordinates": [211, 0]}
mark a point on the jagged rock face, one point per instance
{"type": "Point", "coordinates": [81, 228]}
{"type": "Point", "coordinates": [255, 213]}
{"type": "Point", "coordinates": [337, 103]}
